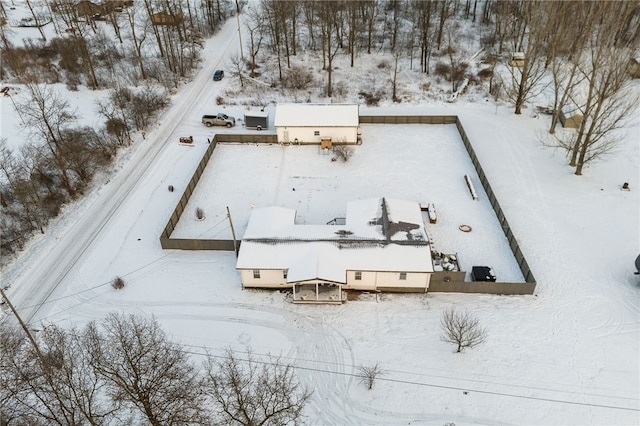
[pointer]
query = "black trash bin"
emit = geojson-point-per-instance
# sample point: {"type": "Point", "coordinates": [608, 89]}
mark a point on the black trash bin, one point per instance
{"type": "Point", "coordinates": [482, 273]}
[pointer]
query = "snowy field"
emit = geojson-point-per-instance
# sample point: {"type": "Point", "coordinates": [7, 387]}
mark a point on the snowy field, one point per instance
{"type": "Point", "coordinates": [567, 355]}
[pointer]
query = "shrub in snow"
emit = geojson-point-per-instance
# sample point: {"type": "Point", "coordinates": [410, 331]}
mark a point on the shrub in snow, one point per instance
{"type": "Point", "coordinates": [299, 78]}
{"type": "Point", "coordinates": [343, 152]}
{"type": "Point", "coordinates": [118, 283]}
{"type": "Point", "coordinates": [442, 69]}
{"type": "Point", "coordinates": [371, 99]}
{"type": "Point", "coordinates": [368, 374]}
{"type": "Point", "coordinates": [199, 213]}
{"type": "Point", "coordinates": [485, 73]}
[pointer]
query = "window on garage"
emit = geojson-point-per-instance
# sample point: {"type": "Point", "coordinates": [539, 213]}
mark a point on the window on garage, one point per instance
{"type": "Point", "coordinates": [316, 133]}
{"type": "Point", "coordinates": [403, 276]}
{"type": "Point", "coordinates": [256, 273]}
{"type": "Point", "coordinates": [358, 275]}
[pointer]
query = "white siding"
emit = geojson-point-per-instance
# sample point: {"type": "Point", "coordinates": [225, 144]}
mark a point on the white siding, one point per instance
{"type": "Point", "coordinates": [392, 279]}
{"type": "Point", "coordinates": [371, 280]}
{"type": "Point", "coordinates": [269, 278]}
{"type": "Point", "coordinates": [368, 281]}
{"type": "Point", "coordinates": [306, 135]}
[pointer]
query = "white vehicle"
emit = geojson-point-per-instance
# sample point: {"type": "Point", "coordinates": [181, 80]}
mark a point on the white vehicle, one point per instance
{"type": "Point", "coordinates": [218, 120]}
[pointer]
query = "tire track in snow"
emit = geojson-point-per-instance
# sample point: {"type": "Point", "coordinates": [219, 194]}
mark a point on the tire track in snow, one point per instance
{"type": "Point", "coordinates": [324, 355]}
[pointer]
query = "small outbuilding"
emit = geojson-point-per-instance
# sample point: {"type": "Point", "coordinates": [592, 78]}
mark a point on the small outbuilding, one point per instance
{"type": "Point", "coordinates": [87, 8]}
{"type": "Point", "coordinates": [570, 116]}
{"type": "Point", "coordinates": [315, 123]}
{"type": "Point", "coordinates": [633, 68]}
{"type": "Point", "coordinates": [168, 19]}
{"type": "Point", "coordinates": [517, 59]}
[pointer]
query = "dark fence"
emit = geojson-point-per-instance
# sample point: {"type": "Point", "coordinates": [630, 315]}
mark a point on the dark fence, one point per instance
{"type": "Point", "coordinates": [247, 138]}
{"type": "Point", "coordinates": [528, 287]}
{"type": "Point", "coordinates": [193, 244]}
{"type": "Point", "coordinates": [482, 287]}
{"type": "Point", "coordinates": [408, 119]}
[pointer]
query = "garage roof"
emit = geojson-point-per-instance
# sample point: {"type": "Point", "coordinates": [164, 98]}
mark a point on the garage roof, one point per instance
{"type": "Point", "coordinates": [316, 115]}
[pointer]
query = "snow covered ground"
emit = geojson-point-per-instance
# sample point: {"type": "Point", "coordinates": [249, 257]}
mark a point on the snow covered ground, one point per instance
{"type": "Point", "coordinates": [423, 163]}
{"type": "Point", "coordinates": [567, 355]}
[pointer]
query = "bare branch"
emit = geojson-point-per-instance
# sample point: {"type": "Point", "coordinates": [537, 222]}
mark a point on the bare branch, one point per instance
{"type": "Point", "coordinates": [369, 373]}
{"type": "Point", "coordinates": [462, 329]}
{"type": "Point", "coordinates": [252, 392]}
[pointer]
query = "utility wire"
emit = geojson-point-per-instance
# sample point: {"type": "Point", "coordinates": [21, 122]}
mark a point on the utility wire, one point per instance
{"type": "Point", "coordinates": [433, 385]}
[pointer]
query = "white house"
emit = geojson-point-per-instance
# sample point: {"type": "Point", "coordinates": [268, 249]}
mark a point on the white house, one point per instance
{"type": "Point", "coordinates": [382, 246]}
{"type": "Point", "coordinates": [311, 123]}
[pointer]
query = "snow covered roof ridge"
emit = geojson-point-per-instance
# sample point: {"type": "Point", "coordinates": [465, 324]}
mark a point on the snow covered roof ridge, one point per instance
{"type": "Point", "coordinates": [317, 115]}
{"type": "Point", "coordinates": [373, 221]}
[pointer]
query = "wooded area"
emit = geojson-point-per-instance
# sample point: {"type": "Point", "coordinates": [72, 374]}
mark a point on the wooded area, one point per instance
{"type": "Point", "coordinates": [126, 370]}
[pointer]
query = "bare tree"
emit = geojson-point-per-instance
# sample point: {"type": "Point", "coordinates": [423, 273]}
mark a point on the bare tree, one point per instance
{"type": "Point", "coordinates": [79, 37]}
{"type": "Point", "coordinates": [44, 113]}
{"type": "Point", "coordinates": [36, 21]}
{"type": "Point", "coordinates": [423, 13]}
{"type": "Point", "coordinates": [238, 68]}
{"type": "Point", "coordinates": [16, 171]}
{"type": "Point", "coordinates": [329, 17]}
{"type": "Point", "coordinates": [369, 373]}
{"type": "Point", "coordinates": [144, 370]}
{"type": "Point", "coordinates": [49, 381]}
{"type": "Point", "coordinates": [343, 152]}
{"type": "Point", "coordinates": [254, 22]}
{"type": "Point", "coordinates": [369, 11]}
{"type": "Point", "coordinates": [607, 105]}
{"type": "Point", "coordinates": [393, 20]}
{"type": "Point", "coordinates": [445, 13]}
{"type": "Point", "coordinates": [251, 392]}
{"type": "Point", "coordinates": [73, 381]}
{"type": "Point", "coordinates": [457, 64]}
{"type": "Point", "coordinates": [12, 347]}
{"type": "Point", "coordinates": [461, 329]}
{"type": "Point", "coordinates": [354, 28]}
{"type": "Point", "coordinates": [274, 24]}
{"type": "Point", "coordinates": [6, 34]}
{"type": "Point", "coordinates": [526, 79]}
{"type": "Point", "coordinates": [138, 29]}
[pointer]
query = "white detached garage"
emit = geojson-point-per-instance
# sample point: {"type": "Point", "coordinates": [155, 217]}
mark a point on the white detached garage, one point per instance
{"type": "Point", "coordinates": [315, 123]}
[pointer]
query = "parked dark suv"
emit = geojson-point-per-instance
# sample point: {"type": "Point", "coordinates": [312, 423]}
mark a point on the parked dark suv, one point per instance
{"type": "Point", "coordinates": [217, 76]}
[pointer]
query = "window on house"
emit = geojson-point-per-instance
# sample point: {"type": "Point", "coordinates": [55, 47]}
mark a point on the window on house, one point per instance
{"type": "Point", "coordinates": [284, 274]}
{"type": "Point", "coordinates": [358, 275]}
{"type": "Point", "coordinates": [403, 275]}
{"type": "Point", "coordinates": [256, 273]}
{"type": "Point", "coordinates": [316, 133]}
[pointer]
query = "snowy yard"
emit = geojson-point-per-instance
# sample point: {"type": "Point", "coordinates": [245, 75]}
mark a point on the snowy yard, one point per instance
{"type": "Point", "coordinates": [423, 163]}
